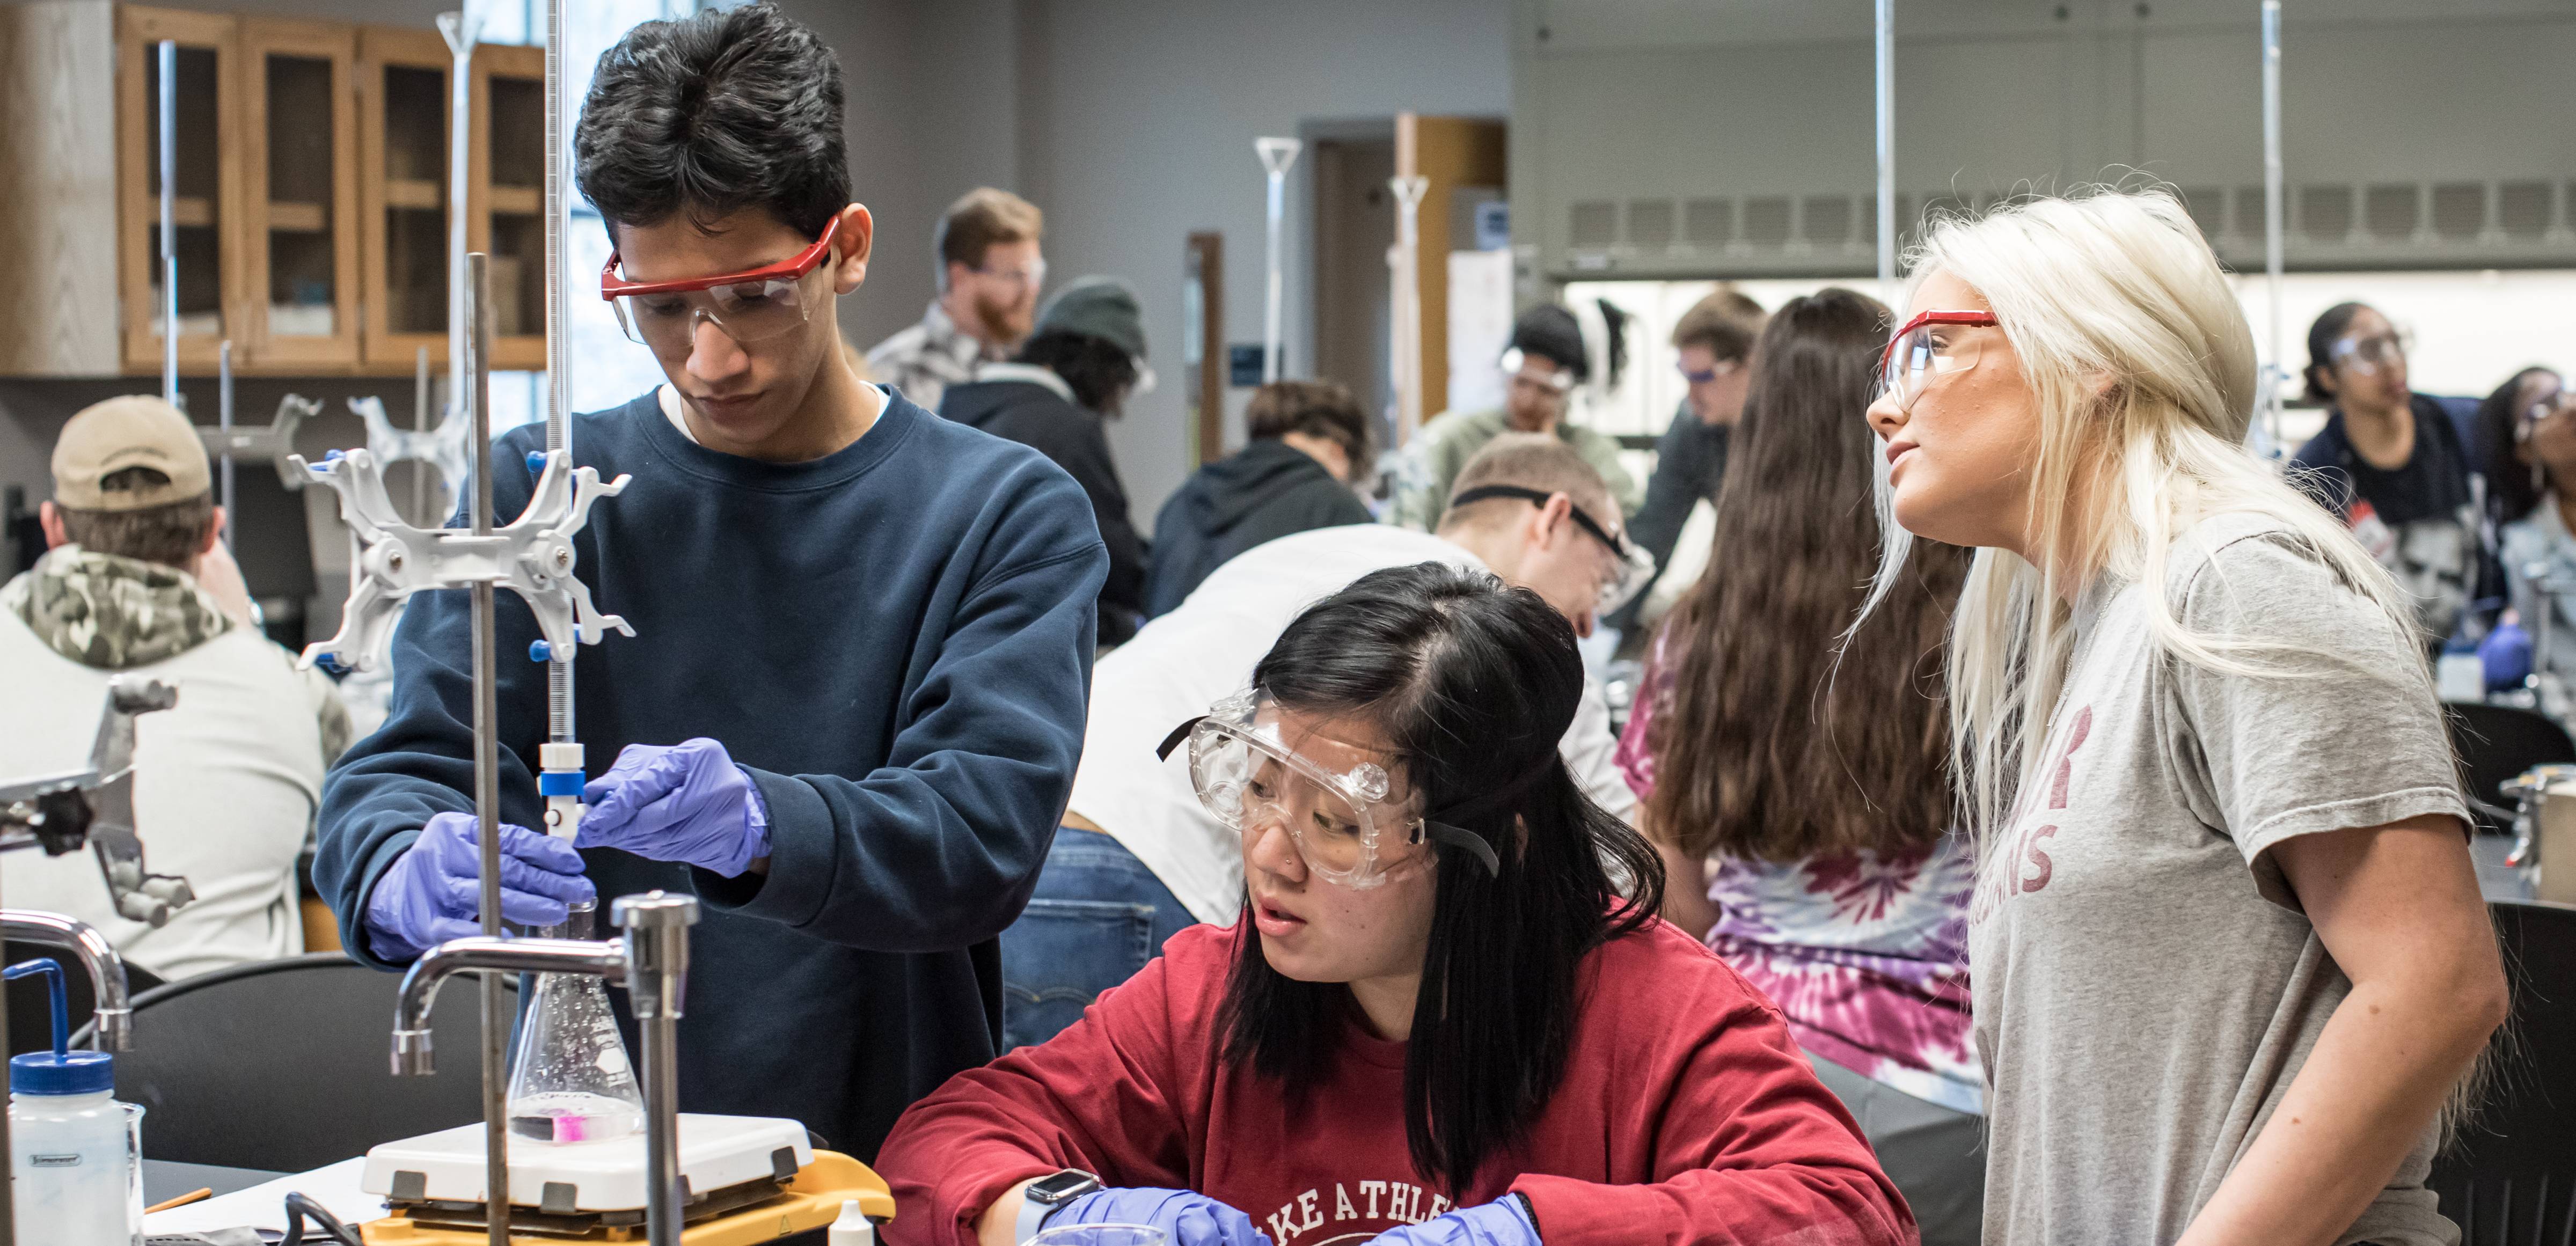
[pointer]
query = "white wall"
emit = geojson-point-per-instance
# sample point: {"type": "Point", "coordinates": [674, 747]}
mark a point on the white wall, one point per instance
{"type": "Point", "coordinates": [1131, 123]}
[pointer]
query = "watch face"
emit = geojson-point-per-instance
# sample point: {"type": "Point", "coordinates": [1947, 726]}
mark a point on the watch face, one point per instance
{"type": "Point", "coordinates": [1062, 1186]}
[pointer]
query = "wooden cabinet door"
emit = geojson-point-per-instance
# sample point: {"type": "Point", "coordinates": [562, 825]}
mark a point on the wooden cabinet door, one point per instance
{"type": "Point", "coordinates": [403, 104]}
{"type": "Point", "coordinates": [300, 225]}
{"type": "Point", "coordinates": [508, 221]}
{"type": "Point", "coordinates": [1450, 153]}
{"type": "Point", "coordinates": [209, 191]}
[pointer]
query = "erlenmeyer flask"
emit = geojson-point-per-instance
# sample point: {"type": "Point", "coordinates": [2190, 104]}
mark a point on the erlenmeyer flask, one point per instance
{"type": "Point", "coordinates": [571, 1081]}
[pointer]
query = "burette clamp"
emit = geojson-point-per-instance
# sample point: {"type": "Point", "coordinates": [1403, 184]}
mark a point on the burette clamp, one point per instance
{"type": "Point", "coordinates": [559, 781]}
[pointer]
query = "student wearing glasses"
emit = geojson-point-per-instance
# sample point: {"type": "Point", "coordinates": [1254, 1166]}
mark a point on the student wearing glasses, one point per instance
{"type": "Point", "coordinates": [850, 711]}
{"type": "Point", "coordinates": [2533, 417]}
{"type": "Point", "coordinates": [2399, 469]}
{"type": "Point", "coordinates": [1448, 1015]}
{"type": "Point", "coordinates": [1713, 351]}
{"type": "Point", "coordinates": [2230, 965]}
{"type": "Point", "coordinates": [990, 274]}
{"type": "Point", "coordinates": [1139, 859]}
{"type": "Point", "coordinates": [1542, 365]}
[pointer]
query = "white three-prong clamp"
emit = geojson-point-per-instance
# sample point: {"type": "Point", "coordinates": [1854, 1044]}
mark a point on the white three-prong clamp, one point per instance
{"type": "Point", "coordinates": [391, 560]}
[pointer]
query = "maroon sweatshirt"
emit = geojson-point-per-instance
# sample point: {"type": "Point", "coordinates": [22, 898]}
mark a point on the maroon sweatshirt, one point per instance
{"type": "Point", "coordinates": [1686, 1114]}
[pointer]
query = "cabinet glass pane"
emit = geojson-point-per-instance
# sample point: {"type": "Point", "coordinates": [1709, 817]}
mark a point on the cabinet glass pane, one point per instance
{"type": "Point", "coordinates": [415, 176]}
{"type": "Point", "coordinates": [201, 295]}
{"type": "Point", "coordinates": [518, 121]}
{"type": "Point", "coordinates": [302, 262]}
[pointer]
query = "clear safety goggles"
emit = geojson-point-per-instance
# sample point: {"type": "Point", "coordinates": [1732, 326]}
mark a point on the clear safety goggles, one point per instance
{"type": "Point", "coordinates": [1553, 380]}
{"type": "Point", "coordinates": [1930, 345]}
{"type": "Point", "coordinates": [751, 306]}
{"type": "Point", "coordinates": [2556, 404]}
{"type": "Point", "coordinates": [1625, 567]}
{"type": "Point", "coordinates": [2367, 355]}
{"type": "Point", "coordinates": [1342, 820]}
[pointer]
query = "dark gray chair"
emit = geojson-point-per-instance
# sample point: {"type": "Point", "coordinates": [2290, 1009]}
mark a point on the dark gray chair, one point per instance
{"type": "Point", "coordinates": [2509, 1178]}
{"type": "Point", "coordinates": [284, 1065]}
{"type": "Point", "coordinates": [2497, 742]}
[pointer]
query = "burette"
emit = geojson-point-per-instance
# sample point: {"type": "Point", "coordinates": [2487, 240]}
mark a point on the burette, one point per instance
{"type": "Point", "coordinates": [560, 776]}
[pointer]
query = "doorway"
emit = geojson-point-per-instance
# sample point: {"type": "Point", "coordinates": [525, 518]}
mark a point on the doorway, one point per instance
{"type": "Point", "coordinates": [1354, 228]}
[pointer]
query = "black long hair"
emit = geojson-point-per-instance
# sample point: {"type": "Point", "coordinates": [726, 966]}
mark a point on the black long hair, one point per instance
{"type": "Point", "coordinates": [1473, 684]}
{"type": "Point", "coordinates": [2512, 491]}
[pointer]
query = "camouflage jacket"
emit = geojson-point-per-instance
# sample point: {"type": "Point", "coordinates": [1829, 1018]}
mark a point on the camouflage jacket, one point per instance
{"type": "Point", "coordinates": [112, 612]}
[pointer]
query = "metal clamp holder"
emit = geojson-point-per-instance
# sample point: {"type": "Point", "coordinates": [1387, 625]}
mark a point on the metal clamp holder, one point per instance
{"type": "Point", "coordinates": [273, 444]}
{"type": "Point", "coordinates": [391, 559]}
{"type": "Point", "coordinates": [96, 806]}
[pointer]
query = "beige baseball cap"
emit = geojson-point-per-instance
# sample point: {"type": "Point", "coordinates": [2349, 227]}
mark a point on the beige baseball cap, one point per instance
{"type": "Point", "coordinates": [133, 431]}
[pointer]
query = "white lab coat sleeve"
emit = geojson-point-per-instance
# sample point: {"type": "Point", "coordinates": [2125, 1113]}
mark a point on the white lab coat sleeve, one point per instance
{"type": "Point", "coordinates": [1591, 752]}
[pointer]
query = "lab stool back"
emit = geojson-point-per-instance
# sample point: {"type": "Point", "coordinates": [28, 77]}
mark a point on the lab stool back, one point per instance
{"type": "Point", "coordinates": [31, 1018]}
{"type": "Point", "coordinates": [282, 1065]}
{"type": "Point", "coordinates": [2509, 1177]}
{"type": "Point", "coordinates": [2497, 742]}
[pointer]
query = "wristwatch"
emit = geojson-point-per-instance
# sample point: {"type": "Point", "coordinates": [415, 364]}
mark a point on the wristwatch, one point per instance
{"type": "Point", "coordinates": [1047, 1195]}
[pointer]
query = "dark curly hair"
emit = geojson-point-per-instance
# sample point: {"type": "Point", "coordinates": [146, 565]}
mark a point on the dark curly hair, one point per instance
{"type": "Point", "coordinates": [711, 114]}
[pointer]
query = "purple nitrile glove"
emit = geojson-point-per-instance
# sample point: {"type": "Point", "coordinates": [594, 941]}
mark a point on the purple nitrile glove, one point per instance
{"type": "Point", "coordinates": [1503, 1222]}
{"type": "Point", "coordinates": [1190, 1219]}
{"type": "Point", "coordinates": [683, 802]}
{"type": "Point", "coordinates": [433, 892]}
{"type": "Point", "coordinates": [2506, 654]}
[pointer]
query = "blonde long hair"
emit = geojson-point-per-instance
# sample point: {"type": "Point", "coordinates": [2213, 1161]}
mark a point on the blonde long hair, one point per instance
{"type": "Point", "coordinates": [2142, 369]}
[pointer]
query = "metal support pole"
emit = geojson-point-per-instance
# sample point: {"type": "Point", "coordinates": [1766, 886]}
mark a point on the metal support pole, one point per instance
{"type": "Point", "coordinates": [170, 221]}
{"type": "Point", "coordinates": [420, 424]}
{"type": "Point", "coordinates": [1886, 41]}
{"type": "Point", "coordinates": [559, 694]}
{"type": "Point", "coordinates": [657, 982]}
{"type": "Point", "coordinates": [1277, 154]}
{"type": "Point", "coordinates": [460, 29]}
{"type": "Point", "coordinates": [2278, 373]}
{"type": "Point", "coordinates": [1408, 304]}
{"type": "Point", "coordinates": [224, 421]}
{"type": "Point", "coordinates": [487, 761]}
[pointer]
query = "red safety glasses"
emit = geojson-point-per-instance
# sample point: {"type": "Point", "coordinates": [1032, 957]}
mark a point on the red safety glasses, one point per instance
{"type": "Point", "coordinates": [1914, 356]}
{"type": "Point", "coordinates": [749, 306]}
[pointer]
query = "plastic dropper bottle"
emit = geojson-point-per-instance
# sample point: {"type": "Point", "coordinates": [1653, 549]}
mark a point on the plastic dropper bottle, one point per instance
{"type": "Point", "coordinates": [853, 1228]}
{"type": "Point", "coordinates": [76, 1153]}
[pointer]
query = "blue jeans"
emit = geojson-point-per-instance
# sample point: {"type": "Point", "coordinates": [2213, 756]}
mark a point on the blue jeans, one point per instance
{"type": "Point", "coordinates": [1097, 917]}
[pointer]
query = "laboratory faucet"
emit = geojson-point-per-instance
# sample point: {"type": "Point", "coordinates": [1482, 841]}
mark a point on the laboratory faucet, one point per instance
{"type": "Point", "coordinates": [106, 968]}
{"type": "Point", "coordinates": [651, 962]}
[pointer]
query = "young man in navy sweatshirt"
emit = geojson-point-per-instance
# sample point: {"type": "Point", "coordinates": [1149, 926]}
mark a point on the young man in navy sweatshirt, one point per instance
{"type": "Point", "coordinates": [849, 714]}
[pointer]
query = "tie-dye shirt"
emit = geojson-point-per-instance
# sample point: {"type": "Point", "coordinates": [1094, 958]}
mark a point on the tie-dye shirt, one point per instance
{"type": "Point", "coordinates": [1866, 954]}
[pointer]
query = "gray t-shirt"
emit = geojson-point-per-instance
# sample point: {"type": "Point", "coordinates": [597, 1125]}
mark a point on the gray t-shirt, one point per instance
{"type": "Point", "coordinates": [2146, 985]}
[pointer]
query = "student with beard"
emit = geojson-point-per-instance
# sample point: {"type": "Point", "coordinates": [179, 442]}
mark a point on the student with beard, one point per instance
{"type": "Point", "coordinates": [990, 270]}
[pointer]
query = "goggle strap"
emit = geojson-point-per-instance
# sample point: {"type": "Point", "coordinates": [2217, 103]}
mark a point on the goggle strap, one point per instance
{"type": "Point", "coordinates": [1474, 843]}
{"type": "Point", "coordinates": [1163, 751]}
{"type": "Point", "coordinates": [1443, 825]}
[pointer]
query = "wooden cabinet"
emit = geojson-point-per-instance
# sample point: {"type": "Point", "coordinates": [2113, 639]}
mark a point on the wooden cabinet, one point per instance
{"type": "Point", "coordinates": [208, 187]}
{"type": "Point", "coordinates": [311, 193]}
{"type": "Point", "coordinates": [402, 127]}
{"type": "Point", "coordinates": [510, 222]}
{"type": "Point", "coordinates": [299, 235]}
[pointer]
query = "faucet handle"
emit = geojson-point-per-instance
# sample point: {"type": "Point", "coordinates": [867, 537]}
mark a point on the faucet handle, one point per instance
{"type": "Point", "coordinates": [654, 910]}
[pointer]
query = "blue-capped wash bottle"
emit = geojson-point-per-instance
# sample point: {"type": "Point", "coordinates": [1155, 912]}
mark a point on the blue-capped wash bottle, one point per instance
{"type": "Point", "coordinates": [75, 1151]}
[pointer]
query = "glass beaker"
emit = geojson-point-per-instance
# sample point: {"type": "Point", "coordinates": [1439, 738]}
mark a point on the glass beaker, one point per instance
{"type": "Point", "coordinates": [1099, 1235]}
{"type": "Point", "coordinates": [570, 1080]}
